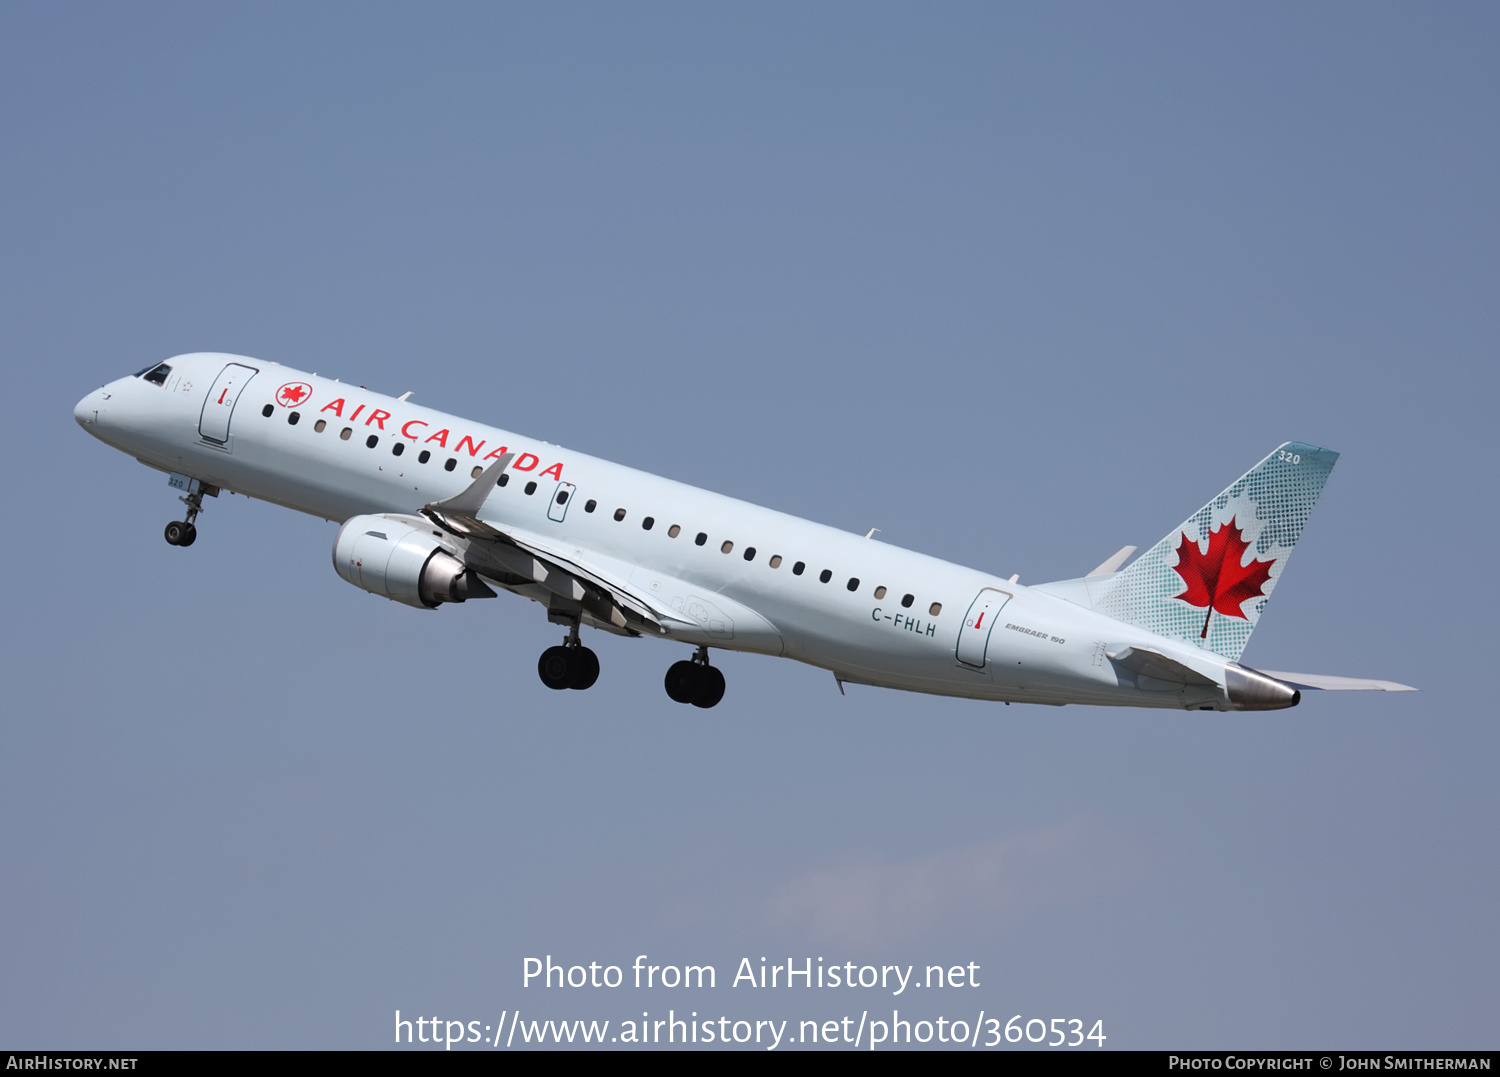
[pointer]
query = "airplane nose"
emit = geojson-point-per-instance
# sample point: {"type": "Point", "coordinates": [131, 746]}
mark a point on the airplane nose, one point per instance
{"type": "Point", "coordinates": [86, 411]}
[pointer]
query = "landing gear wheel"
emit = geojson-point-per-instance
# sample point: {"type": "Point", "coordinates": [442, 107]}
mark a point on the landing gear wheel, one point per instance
{"type": "Point", "coordinates": [555, 667]}
{"type": "Point", "coordinates": [183, 532]}
{"type": "Point", "coordinates": [585, 668]}
{"type": "Point", "coordinates": [682, 681]}
{"type": "Point", "coordinates": [710, 687]}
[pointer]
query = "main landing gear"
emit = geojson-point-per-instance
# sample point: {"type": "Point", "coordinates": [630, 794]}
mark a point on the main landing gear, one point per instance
{"type": "Point", "coordinates": [570, 666]}
{"type": "Point", "coordinates": [184, 532]}
{"type": "Point", "coordinates": [695, 681]}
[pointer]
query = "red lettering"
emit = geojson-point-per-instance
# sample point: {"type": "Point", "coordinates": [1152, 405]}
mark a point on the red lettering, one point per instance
{"type": "Point", "coordinates": [501, 451]}
{"type": "Point", "coordinates": [406, 428]}
{"type": "Point", "coordinates": [555, 471]}
{"type": "Point", "coordinates": [355, 413]}
{"type": "Point", "coordinates": [337, 407]}
{"type": "Point", "coordinates": [378, 417]}
{"type": "Point", "coordinates": [473, 449]}
{"type": "Point", "coordinates": [441, 437]}
{"type": "Point", "coordinates": [522, 465]}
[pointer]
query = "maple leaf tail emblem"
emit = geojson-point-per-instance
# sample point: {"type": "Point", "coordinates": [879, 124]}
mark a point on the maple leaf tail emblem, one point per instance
{"type": "Point", "coordinates": [1216, 579]}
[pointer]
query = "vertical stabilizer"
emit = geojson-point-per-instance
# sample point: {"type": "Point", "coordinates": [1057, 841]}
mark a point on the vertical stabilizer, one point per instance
{"type": "Point", "coordinates": [1208, 581]}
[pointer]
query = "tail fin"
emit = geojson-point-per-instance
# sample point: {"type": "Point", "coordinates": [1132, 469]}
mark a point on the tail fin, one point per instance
{"type": "Point", "coordinates": [1207, 582]}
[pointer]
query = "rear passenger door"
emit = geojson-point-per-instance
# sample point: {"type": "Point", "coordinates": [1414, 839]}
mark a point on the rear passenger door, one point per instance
{"type": "Point", "coordinates": [974, 636]}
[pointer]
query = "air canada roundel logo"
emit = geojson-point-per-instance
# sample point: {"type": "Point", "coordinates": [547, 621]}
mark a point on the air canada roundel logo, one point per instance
{"type": "Point", "coordinates": [293, 393]}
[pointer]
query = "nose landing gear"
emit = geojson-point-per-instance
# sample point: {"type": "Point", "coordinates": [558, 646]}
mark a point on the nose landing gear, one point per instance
{"type": "Point", "coordinates": [570, 666]}
{"type": "Point", "coordinates": [695, 681]}
{"type": "Point", "coordinates": [184, 532]}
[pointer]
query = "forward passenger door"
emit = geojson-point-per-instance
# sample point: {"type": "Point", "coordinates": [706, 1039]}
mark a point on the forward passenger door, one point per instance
{"type": "Point", "coordinates": [218, 406]}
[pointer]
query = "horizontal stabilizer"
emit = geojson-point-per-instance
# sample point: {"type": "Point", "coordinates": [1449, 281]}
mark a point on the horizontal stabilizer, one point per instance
{"type": "Point", "coordinates": [1146, 663]}
{"type": "Point", "coordinates": [1337, 684]}
{"type": "Point", "coordinates": [1113, 563]}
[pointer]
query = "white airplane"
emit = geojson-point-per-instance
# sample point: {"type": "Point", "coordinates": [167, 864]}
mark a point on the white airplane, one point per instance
{"type": "Point", "coordinates": [435, 509]}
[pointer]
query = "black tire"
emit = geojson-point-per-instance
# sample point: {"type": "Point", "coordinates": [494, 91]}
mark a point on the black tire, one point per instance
{"type": "Point", "coordinates": [189, 535]}
{"type": "Point", "coordinates": [555, 667]}
{"type": "Point", "coordinates": [682, 682]}
{"type": "Point", "coordinates": [585, 669]}
{"type": "Point", "coordinates": [174, 532]}
{"type": "Point", "coordinates": [710, 687]}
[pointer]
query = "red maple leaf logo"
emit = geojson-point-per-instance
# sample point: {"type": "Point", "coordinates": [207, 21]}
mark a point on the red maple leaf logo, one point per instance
{"type": "Point", "coordinates": [1216, 579]}
{"type": "Point", "coordinates": [292, 393]}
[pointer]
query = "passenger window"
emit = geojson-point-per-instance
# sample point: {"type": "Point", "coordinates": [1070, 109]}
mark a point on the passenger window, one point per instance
{"type": "Point", "coordinates": [450, 463]}
{"type": "Point", "coordinates": [423, 456]}
{"type": "Point", "coordinates": [478, 471]}
{"type": "Point", "coordinates": [935, 609]}
{"type": "Point", "coordinates": [590, 505]}
{"type": "Point", "coordinates": [562, 497]}
{"type": "Point", "coordinates": [749, 553]}
{"type": "Point", "coordinates": [344, 433]}
{"type": "Point", "coordinates": [825, 576]}
{"type": "Point", "coordinates": [266, 411]}
{"type": "Point", "coordinates": [293, 418]}
{"type": "Point", "coordinates": [674, 531]}
{"type": "Point", "coordinates": [619, 515]}
{"type": "Point", "coordinates": [503, 479]}
{"type": "Point", "coordinates": [798, 568]}
{"type": "Point", "coordinates": [320, 426]}
{"type": "Point", "coordinates": [530, 488]}
{"type": "Point", "coordinates": [701, 539]}
{"type": "Point", "coordinates": [776, 560]}
{"type": "Point", "coordinates": [853, 583]}
{"type": "Point", "coordinates": [398, 448]}
{"type": "Point", "coordinates": [648, 523]}
{"type": "Point", "coordinates": [726, 547]}
{"type": "Point", "coordinates": [371, 441]}
{"type": "Point", "coordinates": [880, 591]}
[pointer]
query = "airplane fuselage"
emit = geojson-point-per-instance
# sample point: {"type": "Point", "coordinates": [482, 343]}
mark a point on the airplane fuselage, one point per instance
{"type": "Point", "coordinates": [742, 577]}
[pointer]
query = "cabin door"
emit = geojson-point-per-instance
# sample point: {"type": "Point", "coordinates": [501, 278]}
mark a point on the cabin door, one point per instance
{"type": "Point", "coordinates": [213, 424]}
{"type": "Point", "coordinates": [974, 636]}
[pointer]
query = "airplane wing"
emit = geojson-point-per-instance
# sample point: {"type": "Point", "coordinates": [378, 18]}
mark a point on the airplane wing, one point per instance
{"type": "Point", "coordinates": [1337, 684]}
{"type": "Point", "coordinates": [562, 570]}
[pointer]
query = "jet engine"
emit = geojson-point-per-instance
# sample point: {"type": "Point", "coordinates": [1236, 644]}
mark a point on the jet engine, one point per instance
{"type": "Point", "coordinates": [400, 558]}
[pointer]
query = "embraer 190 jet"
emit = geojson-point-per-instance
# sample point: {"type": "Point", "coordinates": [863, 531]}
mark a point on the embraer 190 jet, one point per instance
{"type": "Point", "coordinates": [436, 509]}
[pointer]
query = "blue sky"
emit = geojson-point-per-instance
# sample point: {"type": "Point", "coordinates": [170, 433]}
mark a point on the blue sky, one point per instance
{"type": "Point", "coordinates": [1015, 284]}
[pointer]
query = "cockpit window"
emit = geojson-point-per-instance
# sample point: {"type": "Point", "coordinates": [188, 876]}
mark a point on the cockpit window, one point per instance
{"type": "Point", "coordinates": [156, 375]}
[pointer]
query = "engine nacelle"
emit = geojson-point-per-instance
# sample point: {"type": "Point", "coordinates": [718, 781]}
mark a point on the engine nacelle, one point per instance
{"type": "Point", "coordinates": [400, 558]}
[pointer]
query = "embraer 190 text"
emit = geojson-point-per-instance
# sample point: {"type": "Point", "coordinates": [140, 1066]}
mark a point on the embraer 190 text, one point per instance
{"type": "Point", "coordinates": [435, 509]}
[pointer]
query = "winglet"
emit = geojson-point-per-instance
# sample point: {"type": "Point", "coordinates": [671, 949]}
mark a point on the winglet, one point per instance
{"type": "Point", "coordinates": [472, 499]}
